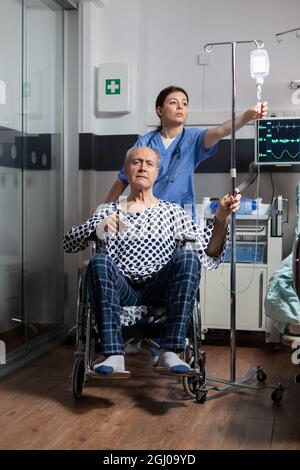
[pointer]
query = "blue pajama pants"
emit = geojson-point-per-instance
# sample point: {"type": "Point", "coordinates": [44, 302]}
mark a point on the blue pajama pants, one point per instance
{"type": "Point", "coordinates": [174, 286]}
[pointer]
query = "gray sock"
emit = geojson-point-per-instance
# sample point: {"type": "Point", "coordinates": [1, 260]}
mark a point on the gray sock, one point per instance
{"type": "Point", "coordinates": [113, 363]}
{"type": "Point", "coordinates": [171, 361]}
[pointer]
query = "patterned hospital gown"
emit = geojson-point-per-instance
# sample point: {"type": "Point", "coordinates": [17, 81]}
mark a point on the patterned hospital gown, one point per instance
{"type": "Point", "coordinates": [149, 239]}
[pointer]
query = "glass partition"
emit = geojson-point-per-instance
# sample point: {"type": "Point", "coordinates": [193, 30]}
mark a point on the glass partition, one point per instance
{"type": "Point", "coordinates": [31, 156]}
{"type": "Point", "coordinates": [12, 331]}
{"type": "Point", "coordinates": [43, 150]}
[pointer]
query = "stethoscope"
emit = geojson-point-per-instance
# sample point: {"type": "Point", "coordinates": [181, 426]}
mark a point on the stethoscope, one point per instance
{"type": "Point", "coordinates": [174, 158]}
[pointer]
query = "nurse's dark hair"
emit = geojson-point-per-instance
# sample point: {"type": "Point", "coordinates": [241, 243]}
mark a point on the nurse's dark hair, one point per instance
{"type": "Point", "coordinates": [163, 94]}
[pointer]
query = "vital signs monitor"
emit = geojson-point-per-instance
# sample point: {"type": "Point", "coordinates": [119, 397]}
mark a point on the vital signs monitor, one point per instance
{"type": "Point", "coordinates": [277, 141]}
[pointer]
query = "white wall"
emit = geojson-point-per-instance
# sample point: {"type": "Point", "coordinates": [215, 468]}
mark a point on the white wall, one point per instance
{"type": "Point", "coordinates": [161, 40]}
{"type": "Point", "coordinates": [180, 30]}
{"type": "Point", "coordinates": [117, 33]}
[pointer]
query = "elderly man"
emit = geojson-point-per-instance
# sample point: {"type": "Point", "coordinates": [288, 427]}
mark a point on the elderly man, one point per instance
{"type": "Point", "coordinates": [152, 253]}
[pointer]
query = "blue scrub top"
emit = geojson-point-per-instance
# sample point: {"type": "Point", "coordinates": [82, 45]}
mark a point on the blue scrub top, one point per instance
{"type": "Point", "coordinates": [175, 181]}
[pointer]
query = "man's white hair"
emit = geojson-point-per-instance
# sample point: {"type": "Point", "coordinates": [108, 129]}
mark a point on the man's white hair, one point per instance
{"type": "Point", "coordinates": [129, 152]}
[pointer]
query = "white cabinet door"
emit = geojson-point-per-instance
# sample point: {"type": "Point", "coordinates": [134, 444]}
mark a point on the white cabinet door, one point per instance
{"type": "Point", "coordinates": [215, 297]}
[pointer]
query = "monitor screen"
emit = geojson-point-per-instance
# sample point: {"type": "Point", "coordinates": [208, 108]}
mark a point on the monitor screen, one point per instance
{"type": "Point", "coordinates": [277, 141]}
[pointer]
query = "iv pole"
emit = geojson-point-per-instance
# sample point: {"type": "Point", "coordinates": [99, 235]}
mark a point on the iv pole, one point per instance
{"type": "Point", "coordinates": [256, 371]}
{"type": "Point", "coordinates": [295, 30]}
{"type": "Point", "coordinates": [208, 48]}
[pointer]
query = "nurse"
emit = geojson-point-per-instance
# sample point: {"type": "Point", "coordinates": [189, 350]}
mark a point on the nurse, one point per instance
{"type": "Point", "coordinates": [181, 148]}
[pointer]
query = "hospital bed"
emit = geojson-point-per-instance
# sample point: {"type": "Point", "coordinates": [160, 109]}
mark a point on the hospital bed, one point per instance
{"type": "Point", "coordinates": [283, 295]}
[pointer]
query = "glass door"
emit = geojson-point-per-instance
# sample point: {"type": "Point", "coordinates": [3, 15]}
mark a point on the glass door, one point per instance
{"type": "Point", "coordinates": [43, 157]}
{"type": "Point", "coordinates": [12, 330]}
{"type": "Point", "coordinates": [31, 174]}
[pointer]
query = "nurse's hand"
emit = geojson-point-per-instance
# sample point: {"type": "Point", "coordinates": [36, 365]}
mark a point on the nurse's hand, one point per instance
{"type": "Point", "coordinates": [259, 111]}
{"type": "Point", "coordinates": [227, 205]}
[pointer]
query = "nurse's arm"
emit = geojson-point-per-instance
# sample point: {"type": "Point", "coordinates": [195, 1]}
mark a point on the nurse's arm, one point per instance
{"type": "Point", "coordinates": [116, 190]}
{"type": "Point", "coordinates": [215, 134]}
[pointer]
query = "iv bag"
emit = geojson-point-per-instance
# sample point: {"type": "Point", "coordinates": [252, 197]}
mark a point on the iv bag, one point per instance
{"type": "Point", "coordinates": [259, 64]}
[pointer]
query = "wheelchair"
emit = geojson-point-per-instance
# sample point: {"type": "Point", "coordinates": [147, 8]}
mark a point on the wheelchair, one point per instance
{"type": "Point", "coordinates": [88, 338]}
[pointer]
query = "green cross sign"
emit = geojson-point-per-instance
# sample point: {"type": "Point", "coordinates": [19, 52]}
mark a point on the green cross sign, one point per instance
{"type": "Point", "coordinates": [113, 86]}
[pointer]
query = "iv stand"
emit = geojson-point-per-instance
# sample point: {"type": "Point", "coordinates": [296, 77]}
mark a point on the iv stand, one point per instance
{"type": "Point", "coordinates": [295, 30]}
{"type": "Point", "coordinates": [256, 371]}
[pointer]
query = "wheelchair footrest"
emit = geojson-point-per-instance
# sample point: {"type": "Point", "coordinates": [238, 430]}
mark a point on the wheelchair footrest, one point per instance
{"type": "Point", "coordinates": [165, 371]}
{"type": "Point", "coordinates": [114, 375]}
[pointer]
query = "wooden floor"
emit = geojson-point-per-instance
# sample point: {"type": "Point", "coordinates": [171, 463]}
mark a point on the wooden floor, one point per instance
{"type": "Point", "coordinates": [37, 410]}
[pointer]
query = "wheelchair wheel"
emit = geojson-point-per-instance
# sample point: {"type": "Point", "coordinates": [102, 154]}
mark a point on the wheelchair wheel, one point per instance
{"type": "Point", "coordinates": [276, 395]}
{"type": "Point", "coordinates": [201, 395]}
{"type": "Point", "coordinates": [78, 377]}
{"type": "Point", "coordinates": [192, 385]}
{"type": "Point", "coordinates": [261, 376]}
